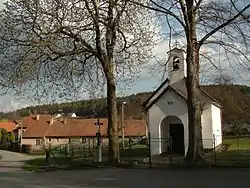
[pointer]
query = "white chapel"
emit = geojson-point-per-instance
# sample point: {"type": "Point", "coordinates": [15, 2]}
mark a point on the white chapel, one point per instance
{"type": "Point", "coordinates": [167, 112]}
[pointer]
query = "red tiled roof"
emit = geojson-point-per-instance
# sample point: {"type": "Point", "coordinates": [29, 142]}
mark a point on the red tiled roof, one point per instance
{"type": "Point", "coordinates": [36, 128]}
{"type": "Point", "coordinates": [79, 128]}
{"type": "Point", "coordinates": [7, 125]}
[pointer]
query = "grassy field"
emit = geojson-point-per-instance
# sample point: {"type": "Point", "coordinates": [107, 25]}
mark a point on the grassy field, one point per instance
{"type": "Point", "coordinates": [85, 157]}
{"type": "Point", "coordinates": [237, 143]}
{"type": "Point", "coordinates": [237, 153]}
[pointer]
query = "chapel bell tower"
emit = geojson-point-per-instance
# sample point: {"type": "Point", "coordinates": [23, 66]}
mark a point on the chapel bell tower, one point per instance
{"type": "Point", "coordinates": [176, 65]}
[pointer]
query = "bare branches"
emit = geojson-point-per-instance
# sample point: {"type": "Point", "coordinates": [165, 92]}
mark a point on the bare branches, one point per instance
{"type": "Point", "coordinates": [226, 23]}
{"type": "Point", "coordinates": [65, 31]}
{"type": "Point", "coordinates": [160, 9]}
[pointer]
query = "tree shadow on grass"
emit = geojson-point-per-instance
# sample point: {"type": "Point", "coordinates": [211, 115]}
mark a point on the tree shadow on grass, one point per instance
{"type": "Point", "coordinates": [239, 158]}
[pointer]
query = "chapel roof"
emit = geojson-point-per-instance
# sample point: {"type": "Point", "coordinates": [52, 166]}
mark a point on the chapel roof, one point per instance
{"type": "Point", "coordinates": [180, 88]}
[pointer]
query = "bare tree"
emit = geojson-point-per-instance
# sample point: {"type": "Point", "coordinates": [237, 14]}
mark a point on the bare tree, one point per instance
{"type": "Point", "coordinates": [200, 23]}
{"type": "Point", "coordinates": [68, 45]}
{"type": "Point", "coordinates": [223, 79]}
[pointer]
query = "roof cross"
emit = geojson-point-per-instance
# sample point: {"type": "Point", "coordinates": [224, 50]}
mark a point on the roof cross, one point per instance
{"type": "Point", "coordinates": [176, 43]}
{"type": "Point", "coordinates": [98, 123]}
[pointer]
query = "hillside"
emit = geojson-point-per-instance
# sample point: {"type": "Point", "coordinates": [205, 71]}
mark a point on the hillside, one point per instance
{"type": "Point", "coordinates": [234, 98]}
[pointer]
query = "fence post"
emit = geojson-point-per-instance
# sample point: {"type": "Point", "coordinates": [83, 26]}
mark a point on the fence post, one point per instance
{"type": "Point", "coordinates": [149, 149]}
{"type": "Point", "coordinates": [238, 144]}
{"type": "Point", "coordinates": [171, 151]}
{"type": "Point", "coordinates": [214, 149]}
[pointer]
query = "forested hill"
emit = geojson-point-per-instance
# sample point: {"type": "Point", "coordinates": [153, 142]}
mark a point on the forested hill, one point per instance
{"type": "Point", "coordinates": [234, 98]}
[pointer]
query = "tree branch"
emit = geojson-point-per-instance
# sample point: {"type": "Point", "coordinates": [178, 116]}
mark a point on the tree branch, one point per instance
{"type": "Point", "coordinates": [222, 26]}
{"type": "Point", "coordinates": [162, 10]}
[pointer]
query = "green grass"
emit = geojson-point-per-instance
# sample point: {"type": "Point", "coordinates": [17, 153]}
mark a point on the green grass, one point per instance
{"type": "Point", "coordinates": [235, 144]}
{"type": "Point", "coordinates": [34, 164]}
{"type": "Point", "coordinates": [135, 153]}
{"type": "Point", "coordinates": [237, 153]}
{"type": "Point", "coordinates": [39, 163]}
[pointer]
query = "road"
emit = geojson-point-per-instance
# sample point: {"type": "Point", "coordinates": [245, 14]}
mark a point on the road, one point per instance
{"type": "Point", "coordinates": [12, 161]}
{"type": "Point", "coordinates": [12, 177]}
{"type": "Point", "coordinates": [128, 178]}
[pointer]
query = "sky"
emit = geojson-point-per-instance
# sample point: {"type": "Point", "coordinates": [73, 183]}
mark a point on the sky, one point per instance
{"type": "Point", "coordinates": [145, 82]}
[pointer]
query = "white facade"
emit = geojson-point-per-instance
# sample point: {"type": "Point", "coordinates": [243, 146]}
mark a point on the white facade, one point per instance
{"type": "Point", "coordinates": [168, 108]}
{"type": "Point", "coordinates": [73, 115]}
{"type": "Point", "coordinates": [162, 109]}
{"type": "Point", "coordinates": [217, 124]}
{"type": "Point", "coordinates": [58, 115]}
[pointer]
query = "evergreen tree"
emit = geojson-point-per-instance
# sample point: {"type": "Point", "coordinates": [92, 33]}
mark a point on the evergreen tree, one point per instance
{"type": "Point", "coordinates": [12, 137]}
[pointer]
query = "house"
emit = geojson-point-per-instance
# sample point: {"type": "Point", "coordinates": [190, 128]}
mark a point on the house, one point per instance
{"type": "Point", "coordinates": [9, 126]}
{"type": "Point", "coordinates": [46, 129]}
{"type": "Point", "coordinates": [73, 115]}
{"type": "Point", "coordinates": [167, 111]}
{"type": "Point", "coordinates": [23, 125]}
{"type": "Point", "coordinates": [58, 115]}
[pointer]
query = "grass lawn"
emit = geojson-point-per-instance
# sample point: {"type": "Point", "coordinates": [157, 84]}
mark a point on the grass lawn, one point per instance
{"type": "Point", "coordinates": [135, 153]}
{"type": "Point", "coordinates": [237, 154]}
{"type": "Point", "coordinates": [235, 144]}
{"type": "Point", "coordinates": [39, 163]}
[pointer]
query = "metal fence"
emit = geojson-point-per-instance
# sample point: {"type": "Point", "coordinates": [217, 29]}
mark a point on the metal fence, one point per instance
{"type": "Point", "coordinates": [235, 151]}
{"type": "Point", "coordinates": [151, 152]}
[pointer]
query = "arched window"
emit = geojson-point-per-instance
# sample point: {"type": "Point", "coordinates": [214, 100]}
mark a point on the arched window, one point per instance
{"type": "Point", "coordinates": [176, 63]}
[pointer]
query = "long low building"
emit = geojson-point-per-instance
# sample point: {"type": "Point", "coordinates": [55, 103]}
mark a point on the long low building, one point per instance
{"type": "Point", "coordinates": [40, 130]}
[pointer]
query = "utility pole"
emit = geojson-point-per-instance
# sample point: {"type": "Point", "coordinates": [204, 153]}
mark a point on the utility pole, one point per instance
{"type": "Point", "coordinates": [122, 124]}
{"type": "Point", "coordinates": [99, 140]}
{"type": "Point", "coordinates": [21, 137]}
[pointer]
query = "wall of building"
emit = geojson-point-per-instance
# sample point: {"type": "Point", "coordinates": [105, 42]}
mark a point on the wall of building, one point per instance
{"type": "Point", "coordinates": [217, 127]}
{"type": "Point", "coordinates": [176, 75]}
{"type": "Point", "coordinates": [57, 141]}
{"type": "Point", "coordinates": [170, 104]}
{"type": "Point", "coordinates": [28, 141]}
{"type": "Point", "coordinates": [207, 131]}
{"type": "Point", "coordinates": [33, 143]}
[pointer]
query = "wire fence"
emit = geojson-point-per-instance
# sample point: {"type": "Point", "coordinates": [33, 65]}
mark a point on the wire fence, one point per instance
{"type": "Point", "coordinates": [151, 152]}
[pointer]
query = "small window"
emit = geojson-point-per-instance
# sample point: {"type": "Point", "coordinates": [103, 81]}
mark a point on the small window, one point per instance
{"type": "Point", "coordinates": [57, 139]}
{"type": "Point", "coordinates": [84, 140]}
{"type": "Point", "coordinates": [170, 102]}
{"type": "Point", "coordinates": [49, 139]}
{"type": "Point", "coordinates": [38, 142]}
{"type": "Point", "coordinates": [176, 63]}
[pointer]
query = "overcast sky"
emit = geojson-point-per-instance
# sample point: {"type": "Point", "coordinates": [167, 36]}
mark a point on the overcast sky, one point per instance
{"type": "Point", "coordinates": [146, 82]}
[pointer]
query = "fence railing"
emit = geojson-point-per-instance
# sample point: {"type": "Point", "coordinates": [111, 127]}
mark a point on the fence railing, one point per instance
{"type": "Point", "coordinates": [150, 152]}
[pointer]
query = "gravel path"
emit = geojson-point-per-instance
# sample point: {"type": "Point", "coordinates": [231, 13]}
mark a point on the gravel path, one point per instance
{"type": "Point", "coordinates": [128, 178]}
{"type": "Point", "coordinates": [12, 161]}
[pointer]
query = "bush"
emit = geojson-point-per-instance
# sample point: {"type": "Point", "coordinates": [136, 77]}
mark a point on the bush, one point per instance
{"type": "Point", "coordinates": [12, 137]}
{"type": "Point", "coordinates": [4, 138]}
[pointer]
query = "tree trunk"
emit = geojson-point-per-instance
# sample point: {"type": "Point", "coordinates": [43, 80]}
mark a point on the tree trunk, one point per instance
{"type": "Point", "coordinates": [195, 148]}
{"type": "Point", "coordinates": [114, 156]}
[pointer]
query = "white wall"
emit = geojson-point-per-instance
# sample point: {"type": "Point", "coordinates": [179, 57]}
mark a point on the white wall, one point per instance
{"type": "Point", "coordinates": [162, 109]}
{"type": "Point", "coordinates": [217, 128]}
{"type": "Point", "coordinates": [29, 141]}
{"type": "Point", "coordinates": [207, 130]}
{"type": "Point", "coordinates": [176, 75]}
